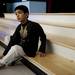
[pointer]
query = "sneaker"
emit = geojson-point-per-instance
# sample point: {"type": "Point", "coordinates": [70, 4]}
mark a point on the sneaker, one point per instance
{"type": "Point", "coordinates": [2, 66]}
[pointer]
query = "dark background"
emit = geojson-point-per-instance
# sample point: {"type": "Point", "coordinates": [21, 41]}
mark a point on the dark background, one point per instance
{"type": "Point", "coordinates": [53, 6]}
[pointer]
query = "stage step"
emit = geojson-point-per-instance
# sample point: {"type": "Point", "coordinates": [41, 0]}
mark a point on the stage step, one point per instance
{"type": "Point", "coordinates": [53, 64]}
{"type": "Point", "coordinates": [59, 30]}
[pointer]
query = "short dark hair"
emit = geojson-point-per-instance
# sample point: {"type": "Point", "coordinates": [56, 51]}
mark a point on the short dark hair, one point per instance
{"type": "Point", "coordinates": [23, 8]}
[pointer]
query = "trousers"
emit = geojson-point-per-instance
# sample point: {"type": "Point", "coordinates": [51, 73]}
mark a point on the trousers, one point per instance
{"type": "Point", "coordinates": [13, 54]}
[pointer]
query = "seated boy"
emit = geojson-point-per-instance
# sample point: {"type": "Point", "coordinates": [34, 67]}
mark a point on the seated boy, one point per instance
{"type": "Point", "coordinates": [24, 41]}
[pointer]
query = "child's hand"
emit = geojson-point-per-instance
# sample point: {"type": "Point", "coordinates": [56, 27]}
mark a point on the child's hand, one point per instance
{"type": "Point", "coordinates": [42, 54]}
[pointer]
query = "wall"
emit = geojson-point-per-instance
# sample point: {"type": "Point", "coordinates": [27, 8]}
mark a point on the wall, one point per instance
{"type": "Point", "coordinates": [34, 6]}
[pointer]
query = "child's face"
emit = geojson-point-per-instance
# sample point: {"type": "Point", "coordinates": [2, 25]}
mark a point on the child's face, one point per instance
{"type": "Point", "coordinates": [21, 16]}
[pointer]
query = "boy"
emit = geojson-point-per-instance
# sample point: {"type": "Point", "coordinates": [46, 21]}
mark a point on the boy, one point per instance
{"type": "Point", "coordinates": [25, 39]}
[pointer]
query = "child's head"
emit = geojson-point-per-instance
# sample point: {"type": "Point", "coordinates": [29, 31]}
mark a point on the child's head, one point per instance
{"type": "Point", "coordinates": [22, 13]}
{"type": "Point", "coordinates": [23, 8]}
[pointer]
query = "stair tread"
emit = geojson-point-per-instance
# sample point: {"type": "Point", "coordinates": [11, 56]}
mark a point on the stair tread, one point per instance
{"type": "Point", "coordinates": [56, 64]}
{"type": "Point", "coordinates": [65, 41]}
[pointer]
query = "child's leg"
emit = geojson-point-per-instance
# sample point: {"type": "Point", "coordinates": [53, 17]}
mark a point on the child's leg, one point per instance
{"type": "Point", "coordinates": [14, 53]}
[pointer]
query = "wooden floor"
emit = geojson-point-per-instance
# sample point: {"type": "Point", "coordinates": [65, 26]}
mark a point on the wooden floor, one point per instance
{"type": "Point", "coordinates": [7, 27]}
{"type": "Point", "coordinates": [64, 41]}
{"type": "Point", "coordinates": [53, 63]}
{"type": "Point", "coordinates": [56, 64]}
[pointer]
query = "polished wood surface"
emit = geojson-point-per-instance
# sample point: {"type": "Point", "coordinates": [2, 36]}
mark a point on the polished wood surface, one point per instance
{"type": "Point", "coordinates": [62, 40]}
{"type": "Point", "coordinates": [52, 62]}
{"type": "Point", "coordinates": [58, 65]}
